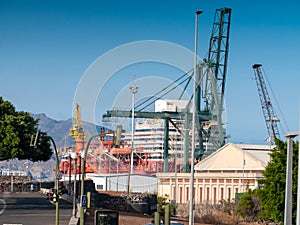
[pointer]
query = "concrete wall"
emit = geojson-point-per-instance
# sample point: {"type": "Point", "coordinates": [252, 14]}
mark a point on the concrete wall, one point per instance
{"type": "Point", "coordinates": [22, 184]}
{"type": "Point", "coordinates": [121, 201]}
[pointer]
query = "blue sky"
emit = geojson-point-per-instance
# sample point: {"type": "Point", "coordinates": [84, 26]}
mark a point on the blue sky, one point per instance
{"type": "Point", "coordinates": [46, 47]}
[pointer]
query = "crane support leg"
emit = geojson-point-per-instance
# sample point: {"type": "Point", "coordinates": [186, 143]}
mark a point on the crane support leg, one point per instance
{"type": "Point", "coordinates": [166, 145]}
{"type": "Point", "coordinates": [186, 168]}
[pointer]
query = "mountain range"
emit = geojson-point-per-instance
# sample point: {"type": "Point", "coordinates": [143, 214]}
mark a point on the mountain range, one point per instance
{"type": "Point", "coordinates": [59, 130]}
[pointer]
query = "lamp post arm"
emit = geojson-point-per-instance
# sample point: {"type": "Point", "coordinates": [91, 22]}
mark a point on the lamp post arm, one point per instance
{"type": "Point", "coordinates": [56, 174]}
{"type": "Point", "coordinates": [56, 180]}
{"type": "Point", "coordinates": [56, 156]}
{"type": "Point", "coordinates": [83, 175]}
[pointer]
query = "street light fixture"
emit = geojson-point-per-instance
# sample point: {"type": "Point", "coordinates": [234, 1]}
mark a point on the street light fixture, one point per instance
{"type": "Point", "coordinates": [298, 187]}
{"type": "Point", "coordinates": [83, 156]}
{"type": "Point", "coordinates": [191, 212]}
{"type": "Point", "coordinates": [289, 180]}
{"type": "Point", "coordinates": [133, 88]}
{"type": "Point", "coordinates": [80, 156]}
{"type": "Point", "coordinates": [70, 168]}
{"type": "Point", "coordinates": [74, 157]}
{"type": "Point", "coordinates": [56, 172]}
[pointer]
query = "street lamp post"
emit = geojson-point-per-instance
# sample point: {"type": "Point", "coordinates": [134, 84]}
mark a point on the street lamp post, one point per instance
{"type": "Point", "coordinates": [70, 167]}
{"type": "Point", "coordinates": [56, 173]}
{"type": "Point", "coordinates": [83, 157]}
{"type": "Point", "coordinates": [74, 157]}
{"type": "Point", "coordinates": [80, 161]}
{"type": "Point", "coordinates": [289, 179]}
{"type": "Point", "coordinates": [191, 212]}
{"type": "Point", "coordinates": [56, 181]}
{"type": "Point", "coordinates": [133, 88]}
{"type": "Point", "coordinates": [298, 188]}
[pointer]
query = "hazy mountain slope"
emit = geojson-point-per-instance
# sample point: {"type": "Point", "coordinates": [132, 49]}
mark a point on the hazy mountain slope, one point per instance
{"type": "Point", "coordinates": [59, 130]}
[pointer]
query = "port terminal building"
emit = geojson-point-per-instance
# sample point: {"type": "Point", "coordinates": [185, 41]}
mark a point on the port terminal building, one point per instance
{"type": "Point", "coordinates": [230, 170]}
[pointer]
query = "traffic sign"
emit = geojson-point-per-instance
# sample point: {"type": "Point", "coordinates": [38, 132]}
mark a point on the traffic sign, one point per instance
{"type": "Point", "coordinates": [83, 201]}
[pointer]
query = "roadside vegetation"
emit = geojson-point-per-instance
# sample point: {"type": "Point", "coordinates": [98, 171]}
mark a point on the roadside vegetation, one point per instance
{"type": "Point", "coordinates": [264, 205]}
{"type": "Point", "coordinates": [17, 132]}
{"type": "Point", "coordinates": [268, 202]}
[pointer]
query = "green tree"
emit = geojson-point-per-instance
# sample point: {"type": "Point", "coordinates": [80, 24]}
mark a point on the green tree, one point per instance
{"type": "Point", "coordinates": [272, 194]}
{"type": "Point", "coordinates": [16, 131]}
{"type": "Point", "coordinates": [249, 205]}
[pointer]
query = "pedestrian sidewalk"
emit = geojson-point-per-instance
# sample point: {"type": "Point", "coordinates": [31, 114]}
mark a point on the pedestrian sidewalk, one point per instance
{"type": "Point", "coordinates": [74, 221]}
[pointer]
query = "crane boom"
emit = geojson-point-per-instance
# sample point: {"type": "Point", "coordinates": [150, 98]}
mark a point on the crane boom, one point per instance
{"type": "Point", "coordinates": [271, 119]}
{"type": "Point", "coordinates": [218, 46]}
{"type": "Point", "coordinates": [212, 79]}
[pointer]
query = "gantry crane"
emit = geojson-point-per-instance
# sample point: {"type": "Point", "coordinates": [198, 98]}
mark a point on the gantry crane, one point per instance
{"type": "Point", "coordinates": [209, 93]}
{"type": "Point", "coordinates": [270, 117]}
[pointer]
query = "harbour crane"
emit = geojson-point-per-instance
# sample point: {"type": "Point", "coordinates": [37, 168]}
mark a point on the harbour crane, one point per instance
{"type": "Point", "coordinates": [270, 117]}
{"type": "Point", "coordinates": [212, 78]}
{"type": "Point", "coordinates": [210, 89]}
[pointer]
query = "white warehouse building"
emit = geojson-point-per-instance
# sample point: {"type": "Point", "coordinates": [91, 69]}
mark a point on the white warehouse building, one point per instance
{"type": "Point", "coordinates": [119, 182]}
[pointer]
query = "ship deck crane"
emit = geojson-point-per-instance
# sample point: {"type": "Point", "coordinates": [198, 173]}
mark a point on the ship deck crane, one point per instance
{"type": "Point", "coordinates": [77, 131]}
{"type": "Point", "coordinates": [270, 117]}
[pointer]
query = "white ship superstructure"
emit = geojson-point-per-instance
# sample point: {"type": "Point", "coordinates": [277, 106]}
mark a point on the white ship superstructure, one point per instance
{"type": "Point", "coordinates": [149, 138]}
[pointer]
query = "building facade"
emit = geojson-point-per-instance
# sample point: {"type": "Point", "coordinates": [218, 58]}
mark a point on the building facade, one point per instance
{"type": "Point", "coordinates": [232, 169]}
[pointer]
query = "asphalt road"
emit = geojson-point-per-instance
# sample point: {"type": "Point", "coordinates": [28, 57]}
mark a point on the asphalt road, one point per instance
{"type": "Point", "coordinates": [31, 209]}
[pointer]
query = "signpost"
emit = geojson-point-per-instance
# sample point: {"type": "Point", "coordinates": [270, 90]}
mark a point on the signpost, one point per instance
{"type": "Point", "coordinates": [83, 201]}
